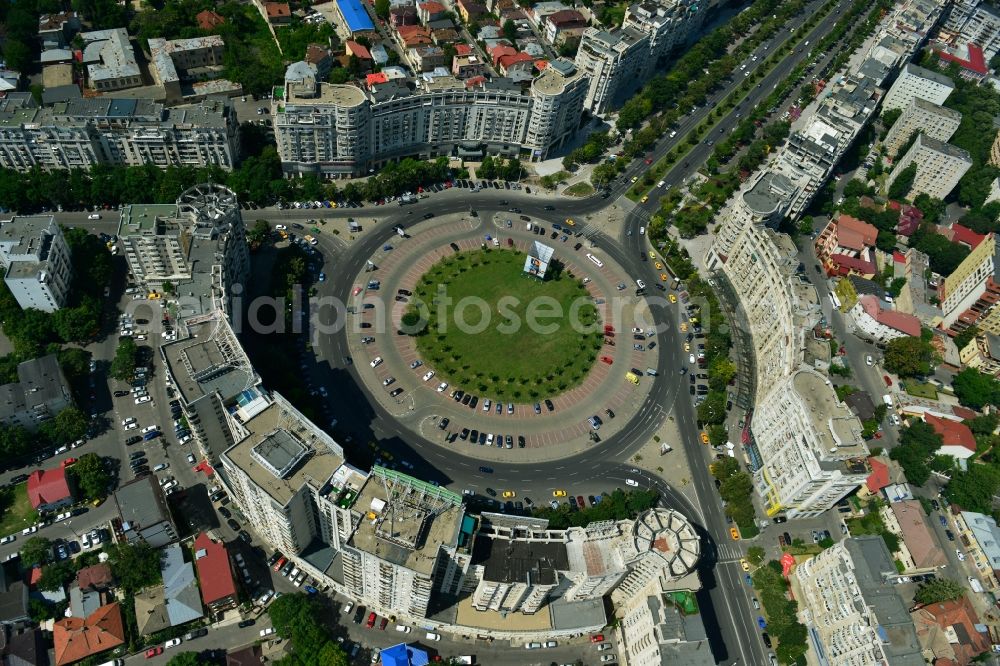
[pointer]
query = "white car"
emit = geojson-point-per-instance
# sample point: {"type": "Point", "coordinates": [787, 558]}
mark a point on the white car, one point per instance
{"type": "Point", "coordinates": [85, 542]}
{"type": "Point", "coordinates": [402, 629]}
{"type": "Point", "coordinates": [7, 539]}
{"type": "Point", "coordinates": [442, 387]}
{"type": "Point", "coordinates": [691, 359]}
{"type": "Point", "coordinates": [377, 361]}
{"type": "Point", "coordinates": [960, 554]}
{"type": "Point", "coordinates": [29, 530]}
{"type": "Point", "coordinates": [170, 484]}
{"type": "Point", "coordinates": [280, 227]}
{"type": "Point", "coordinates": [162, 466]}
{"type": "Point", "coordinates": [190, 458]}
{"type": "Point", "coordinates": [142, 399]}
{"type": "Point", "coordinates": [126, 422]}
{"type": "Point", "coordinates": [431, 636]}
{"type": "Point", "coordinates": [184, 440]}
{"type": "Point", "coordinates": [608, 657]}
{"type": "Point", "coordinates": [149, 428]}
{"type": "Point", "coordinates": [632, 482]}
{"type": "Point", "coordinates": [173, 642]}
{"type": "Point", "coordinates": [429, 375]}
{"type": "Point", "coordinates": [62, 516]}
{"type": "Point", "coordinates": [869, 361]}
{"type": "Point", "coordinates": [94, 216]}
{"type": "Point", "coordinates": [266, 632]}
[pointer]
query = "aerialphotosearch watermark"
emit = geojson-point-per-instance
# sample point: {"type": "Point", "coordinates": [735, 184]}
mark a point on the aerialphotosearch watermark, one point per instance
{"type": "Point", "coordinates": [373, 312]}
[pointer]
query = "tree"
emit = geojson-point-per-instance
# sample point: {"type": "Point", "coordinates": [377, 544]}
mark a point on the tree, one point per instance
{"type": "Point", "coordinates": [135, 566]}
{"type": "Point", "coordinates": [900, 187]}
{"type": "Point", "coordinates": [974, 488]}
{"type": "Point", "coordinates": [965, 337]}
{"type": "Point", "coordinates": [918, 444]}
{"type": "Point", "coordinates": [755, 555]}
{"type": "Point", "coordinates": [258, 233]}
{"type": "Point", "coordinates": [720, 372]}
{"type": "Point", "coordinates": [382, 8]}
{"type": "Point", "coordinates": [69, 425]}
{"type": "Point", "coordinates": [124, 362]}
{"type": "Point", "coordinates": [510, 30]}
{"type": "Point", "coordinates": [933, 209]}
{"type": "Point", "coordinates": [909, 356]}
{"type": "Point", "coordinates": [713, 408]}
{"type": "Point", "coordinates": [92, 477]}
{"type": "Point", "coordinates": [975, 389]}
{"type": "Point", "coordinates": [36, 550]}
{"type": "Point", "coordinates": [186, 659]}
{"type": "Point", "coordinates": [889, 119]}
{"type": "Point", "coordinates": [55, 576]}
{"type": "Point", "coordinates": [938, 590]}
{"type": "Point", "coordinates": [296, 617]}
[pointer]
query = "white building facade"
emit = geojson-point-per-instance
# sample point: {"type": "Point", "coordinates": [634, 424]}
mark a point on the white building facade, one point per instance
{"type": "Point", "coordinates": [915, 81]}
{"type": "Point", "coordinates": [939, 167]}
{"type": "Point", "coordinates": [36, 261]}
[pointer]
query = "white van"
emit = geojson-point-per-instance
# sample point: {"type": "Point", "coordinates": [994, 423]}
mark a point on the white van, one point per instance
{"type": "Point", "coordinates": [532, 646]}
{"type": "Point", "coordinates": [597, 262]}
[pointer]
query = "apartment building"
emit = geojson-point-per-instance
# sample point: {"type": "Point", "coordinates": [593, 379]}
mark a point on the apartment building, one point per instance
{"type": "Point", "coordinates": [849, 604]}
{"type": "Point", "coordinates": [110, 60]}
{"type": "Point", "coordinates": [915, 81]}
{"type": "Point", "coordinates": [40, 392]}
{"type": "Point", "coordinates": [520, 566]}
{"type": "Point", "coordinates": [182, 61]}
{"type": "Point", "coordinates": [968, 295]}
{"type": "Point", "coordinates": [653, 631]}
{"type": "Point", "coordinates": [82, 132]}
{"type": "Point", "coordinates": [933, 120]}
{"type": "Point", "coordinates": [342, 130]}
{"type": "Point", "coordinates": [36, 262]}
{"type": "Point", "coordinates": [610, 61]}
{"type": "Point", "coordinates": [939, 167]}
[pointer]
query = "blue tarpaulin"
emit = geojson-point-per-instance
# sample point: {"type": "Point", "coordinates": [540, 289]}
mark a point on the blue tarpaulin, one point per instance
{"type": "Point", "coordinates": [404, 655]}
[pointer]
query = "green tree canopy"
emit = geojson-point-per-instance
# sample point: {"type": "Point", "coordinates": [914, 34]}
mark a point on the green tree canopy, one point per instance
{"type": "Point", "coordinates": [187, 659]}
{"type": "Point", "coordinates": [975, 389]}
{"type": "Point", "coordinates": [69, 425]}
{"type": "Point", "coordinates": [92, 477]}
{"type": "Point", "coordinates": [126, 357]}
{"type": "Point", "coordinates": [918, 444]}
{"type": "Point", "coordinates": [55, 576]}
{"type": "Point", "coordinates": [297, 617]}
{"type": "Point", "coordinates": [908, 356]}
{"type": "Point", "coordinates": [938, 590]}
{"type": "Point", "coordinates": [135, 566]}
{"type": "Point", "coordinates": [36, 550]}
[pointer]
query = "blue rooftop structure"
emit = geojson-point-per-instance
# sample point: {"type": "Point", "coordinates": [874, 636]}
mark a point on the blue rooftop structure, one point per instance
{"type": "Point", "coordinates": [404, 655]}
{"type": "Point", "coordinates": [355, 16]}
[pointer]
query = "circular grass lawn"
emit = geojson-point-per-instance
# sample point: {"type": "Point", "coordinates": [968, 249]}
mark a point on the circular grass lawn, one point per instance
{"type": "Point", "coordinates": [478, 337]}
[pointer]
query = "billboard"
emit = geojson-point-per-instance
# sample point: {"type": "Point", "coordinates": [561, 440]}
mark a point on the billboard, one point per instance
{"type": "Point", "coordinates": [538, 259]}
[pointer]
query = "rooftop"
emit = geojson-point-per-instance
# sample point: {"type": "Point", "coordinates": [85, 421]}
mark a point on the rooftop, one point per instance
{"type": "Point", "coordinates": [922, 544]}
{"type": "Point", "coordinates": [838, 430]}
{"type": "Point", "coordinates": [406, 520]}
{"type": "Point", "coordinates": [214, 569]}
{"type": "Point", "coordinates": [323, 455]}
{"type": "Point", "coordinates": [140, 502]}
{"type": "Point", "coordinates": [952, 432]}
{"type": "Point", "coordinates": [209, 360]}
{"type": "Point", "coordinates": [355, 15]}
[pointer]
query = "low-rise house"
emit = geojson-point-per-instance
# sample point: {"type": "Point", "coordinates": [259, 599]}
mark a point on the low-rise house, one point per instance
{"type": "Point", "coordinates": [920, 549]}
{"type": "Point", "coordinates": [49, 489]}
{"type": "Point", "coordinates": [401, 15]}
{"type": "Point", "coordinates": [209, 20]}
{"type": "Point", "coordinates": [78, 638]}
{"type": "Point", "coordinates": [564, 26]}
{"type": "Point", "coordinates": [215, 571]}
{"type": "Point", "coordinates": [56, 31]}
{"type": "Point", "coordinates": [878, 325]}
{"type": "Point", "coordinates": [957, 440]}
{"type": "Point", "coordinates": [950, 631]}
{"type": "Point", "coordinates": [970, 60]}
{"type": "Point", "coordinates": [518, 62]}
{"type": "Point", "coordinates": [431, 11]}
{"type": "Point", "coordinates": [847, 245]}
{"type": "Point", "coordinates": [13, 595]}
{"type": "Point", "coordinates": [981, 538]}
{"type": "Point", "coordinates": [982, 353]}
{"type": "Point", "coordinates": [278, 13]}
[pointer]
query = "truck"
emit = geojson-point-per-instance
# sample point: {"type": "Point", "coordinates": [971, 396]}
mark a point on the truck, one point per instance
{"type": "Point", "coordinates": [975, 584]}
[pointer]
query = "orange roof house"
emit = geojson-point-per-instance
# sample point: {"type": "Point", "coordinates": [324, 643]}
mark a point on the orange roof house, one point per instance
{"type": "Point", "coordinates": [215, 573]}
{"type": "Point", "coordinates": [78, 638]}
{"type": "Point", "coordinates": [951, 631]}
{"type": "Point", "coordinates": [956, 438]}
{"type": "Point", "coordinates": [209, 20]}
{"type": "Point", "coordinates": [278, 12]}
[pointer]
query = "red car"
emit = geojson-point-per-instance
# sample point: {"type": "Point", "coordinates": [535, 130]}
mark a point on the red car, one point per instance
{"type": "Point", "coordinates": [68, 462]}
{"type": "Point", "coordinates": [608, 328]}
{"type": "Point", "coordinates": [599, 638]}
{"type": "Point", "coordinates": [383, 624]}
{"type": "Point", "coordinates": [371, 620]}
{"type": "Point", "coordinates": [888, 382]}
{"type": "Point", "coordinates": [153, 651]}
{"type": "Point", "coordinates": [607, 359]}
{"type": "Point", "coordinates": [280, 563]}
{"type": "Point", "coordinates": [579, 500]}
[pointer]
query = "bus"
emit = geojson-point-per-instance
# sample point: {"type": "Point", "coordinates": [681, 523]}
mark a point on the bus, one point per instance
{"type": "Point", "coordinates": [835, 301]}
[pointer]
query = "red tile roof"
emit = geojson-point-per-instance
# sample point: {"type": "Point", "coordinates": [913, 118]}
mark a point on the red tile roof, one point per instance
{"type": "Point", "coordinates": [966, 641]}
{"type": "Point", "coordinates": [963, 413]}
{"type": "Point", "coordinates": [215, 573]}
{"type": "Point", "coordinates": [475, 81]}
{"type": "Point", "coordinates": [432, 7]}
{"type": "Point", "coordinates": [77, 638]}
{"type": "Point", "coordinates": [898, 257]}
{"type": "Point", "coordinates": [976, 61]}
{"type": "Point", "coordinates": [97, 576]}
{"type": "Point", "coordinates": [843, 264]}
{"type": "Point", "coordinates": [902, 322]}
{"type": "Point", "coordinates": [566, 17]}
{"type": "Point", "coordinates": [463, 49]}
{"type": "Point", "coordinates": [377, 78]}
{"type": "Point", "coordinates": [501, 50]}
{"type": "Point", "coordinates": [358, 49]}
{"type": "Point", "coordinates": [47, 486]}
{"type": "Point", "coordinates": [506, 61]}
{"type": "Point", "coordinates": [879, 478]}
{"type": "Point", "coordinates": [854, 233]}
{"type": "Point", "coordinates": [277, 10]}
{"type": "Point", "coordinates": [207, 19]}
{"type": "Point", "coordinates": [966, 236]}
{"type": "Point", "coordinates": [952, 433]}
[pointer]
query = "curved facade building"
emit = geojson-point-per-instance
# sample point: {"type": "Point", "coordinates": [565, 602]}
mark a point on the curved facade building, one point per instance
{"type": "Point", "coordinates": [343, 130]}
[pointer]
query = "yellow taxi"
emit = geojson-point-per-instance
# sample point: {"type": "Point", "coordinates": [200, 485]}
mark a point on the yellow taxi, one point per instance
{"type": "Point", "coordinates": [644, 199]}
{"type": "Point", "coordinates": [634, 179]}
{"type": "Point", "coordinates": [663, 277]}
{"type": "Point", "coordinates": [735, 533]}
{"type": "Point", "coordinates": [687, 346]}
{"type": "Point", "coordinates": [652, 255]}
{"type": "Point", "coordinates": [570, 222]}
{"type": "Point", "coordinates": [559, 493]}
{"type": "Point", "coordinates": [704, 437]}
{"type": "Point", "coordinates": [745, 565]}
{"type": "Point", "coordinates": [684, 326]}
{"type": "Point", "coordinates": [659, 266]}
{"type": "Point", "coordinates": [508, 493]}
{"type": "Point", "coordinates": [673, 299]}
